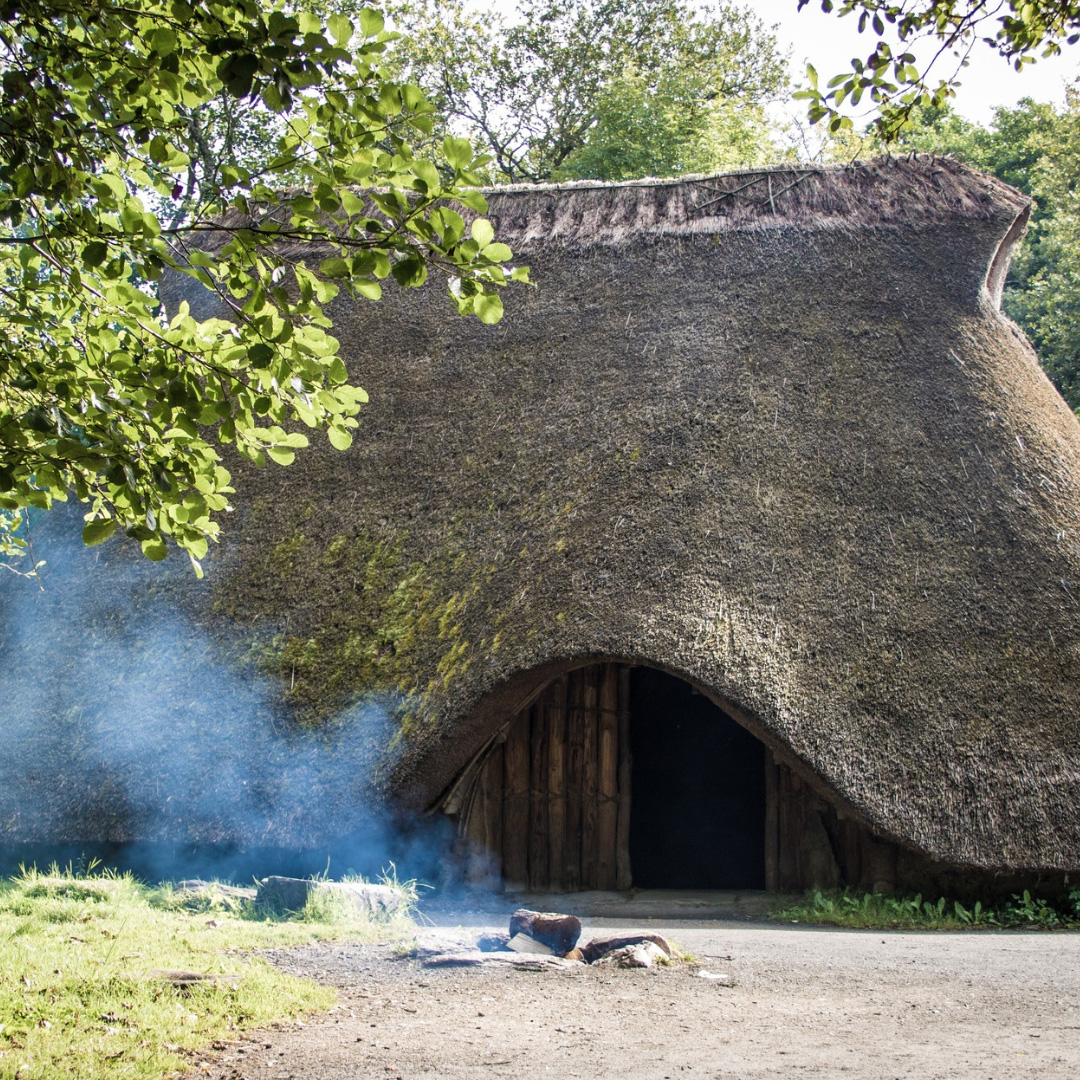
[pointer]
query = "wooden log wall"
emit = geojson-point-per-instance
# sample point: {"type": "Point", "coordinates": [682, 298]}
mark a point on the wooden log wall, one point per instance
{"type": "Point", "coordinates": [809, 844]}
{"type": "Point", "coordinates": [549, 807]}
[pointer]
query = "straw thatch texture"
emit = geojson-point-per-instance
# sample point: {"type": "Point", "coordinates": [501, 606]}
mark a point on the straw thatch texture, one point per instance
{"type": "Point", "coordinates": [767, 431]}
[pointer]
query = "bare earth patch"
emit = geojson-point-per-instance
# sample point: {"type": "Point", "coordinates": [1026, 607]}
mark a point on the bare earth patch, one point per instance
{"type": "Point", "coordinates": [805, 1003]}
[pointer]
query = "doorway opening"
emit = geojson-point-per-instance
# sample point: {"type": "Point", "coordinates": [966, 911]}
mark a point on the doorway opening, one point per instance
{"type": "Point", "coordinates": [697, 804]}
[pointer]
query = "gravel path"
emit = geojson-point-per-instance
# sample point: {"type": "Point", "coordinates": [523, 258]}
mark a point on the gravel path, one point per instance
{"type": "Point", "coordinates": [806, 1003]}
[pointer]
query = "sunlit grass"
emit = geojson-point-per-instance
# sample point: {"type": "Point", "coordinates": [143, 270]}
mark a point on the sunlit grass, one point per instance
{"type": "Point", "coordinates": [88, 984]}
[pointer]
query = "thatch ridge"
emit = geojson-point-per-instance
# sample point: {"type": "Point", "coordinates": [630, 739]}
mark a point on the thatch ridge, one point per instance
{"type": "Point", "coordinates": [881, 192]}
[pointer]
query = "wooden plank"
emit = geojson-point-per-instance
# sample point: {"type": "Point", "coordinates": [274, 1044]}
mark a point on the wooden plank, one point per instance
{"type": "Point", "coordinates": [515, 846]}
{"type": "Point", "coordinates": [556, 784]}
{"type": "Point", "coordinates": [608, 778]}
{"type": "Point", "coordinates": [575, 767]}
{"type": "Point", "coordinates": [590, 796]}
{"type": "Point", "coordinates": [623, 872]}
{"type": "Point", "coordinates": [474, 828]}
{"type": "Point", "coordinates": [538, 801]}
{"type": "Point", "coordinates": [772, 824]}
{"type": "Point", "coordinates": [851, 865]}
{"type": "Point", "coordinates": [493, 781]}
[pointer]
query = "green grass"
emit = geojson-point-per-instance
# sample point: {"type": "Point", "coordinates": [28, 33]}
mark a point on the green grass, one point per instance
{"type": "Point", "coordinates": [877, 911]}
{"type": "Point", "coordinates": [83, 986]}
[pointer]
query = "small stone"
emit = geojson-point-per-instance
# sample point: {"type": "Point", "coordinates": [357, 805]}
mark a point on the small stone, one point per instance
{"type": "Point", "coordinates": [723, 978]}
{"type": "Point", "coordinates": [493, 942]}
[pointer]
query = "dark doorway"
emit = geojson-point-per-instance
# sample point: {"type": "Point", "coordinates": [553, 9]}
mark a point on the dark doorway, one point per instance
{"type": "Point", "coordinates": [697, 818]}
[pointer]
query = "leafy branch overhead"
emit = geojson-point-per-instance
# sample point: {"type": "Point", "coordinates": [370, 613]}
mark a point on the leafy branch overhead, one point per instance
{"type": "Point", "coordinates": [108, 181]}
{"type": "Point", "coordinates": [921, 47]}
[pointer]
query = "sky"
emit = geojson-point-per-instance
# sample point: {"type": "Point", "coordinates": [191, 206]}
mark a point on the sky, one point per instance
{"type": "Point", "coordinates": [829, 43]}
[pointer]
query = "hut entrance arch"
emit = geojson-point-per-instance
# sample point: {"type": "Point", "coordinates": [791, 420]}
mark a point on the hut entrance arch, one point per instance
{"type": "Point", "coordinates": [618, 776]}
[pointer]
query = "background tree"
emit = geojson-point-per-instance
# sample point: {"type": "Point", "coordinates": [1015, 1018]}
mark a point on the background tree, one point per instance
{"type": "Point", "coordinates": [595, 88]}
{"type": "Point", "coordinates": [111, 176]}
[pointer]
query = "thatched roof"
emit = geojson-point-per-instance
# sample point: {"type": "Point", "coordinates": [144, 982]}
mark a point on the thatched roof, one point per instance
{"type": "Point", "coordinates": [767, 431]}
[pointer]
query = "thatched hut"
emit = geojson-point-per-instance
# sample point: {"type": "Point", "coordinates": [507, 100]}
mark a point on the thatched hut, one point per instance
{"type": "Point", "coordinates": [744, 552]}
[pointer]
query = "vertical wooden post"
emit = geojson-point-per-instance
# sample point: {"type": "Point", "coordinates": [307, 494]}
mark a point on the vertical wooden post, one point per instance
{"type": "Point", "coordinates": [515, 845]}
{"type": "Point", "coordinates": [575, 767]}
{"type": "Point", "coordinates": [607, 838]}
{"type": "Point", "coordinates": [590, 795]}
{"type": "Point", "coordinates": [788, 840]}
{"type": "Point", "coordinates": [623, 875]}
{"type": "Point", "coordinates": [772, 824]}
{"type": "Point", "coordinates": [538, 800]}
{"type": "Point", "coordinates": [483, 823]}
{"type": "Point", "coordinates": [851, 868]}
{"type": "Point", "coordinates": [556, 784]}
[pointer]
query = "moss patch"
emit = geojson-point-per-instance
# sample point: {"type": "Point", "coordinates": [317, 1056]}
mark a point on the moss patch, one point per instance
{"type": "Point", "coordinates": [346, 617]}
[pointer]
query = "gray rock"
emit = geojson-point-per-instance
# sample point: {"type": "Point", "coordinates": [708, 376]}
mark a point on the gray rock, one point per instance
{"type": "Point", "coordinates": [198, 887]}
{"type": "Point", "coordinates": [642, 955]}
{"type": "Point", "coordinates": [601, 946]}
{"type": "Point", "coordinates": [283, 895]}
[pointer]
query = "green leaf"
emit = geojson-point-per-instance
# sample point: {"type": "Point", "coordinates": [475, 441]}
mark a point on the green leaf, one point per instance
{"type": "Point", "coordinates": [154, 548]}
{"type": "Point", "coordinates": [371, 22]}
{"type": "Point", "coordinates": [335, 268]}
{"type": "Point", "coordinates": [280, 455]}
{"type": "Point", "coordinates": [488, 307]}
{"type": "Point", "coordinates": [339, 439]}
{"type": "Point", "coordinates": [410, 271]}
{"type": "Point", "coordinates": [498, 253]}
{"type": "Point", "coordinates": [482, 232]}
{"type": "Point", "coordinates": [458, 152]}
{"type": "Point", "coordinates": [94, 253]}
{"type": "Point", "coordinates": [340, 27]}
{"type": "Point", "coordinates": [97, 532]}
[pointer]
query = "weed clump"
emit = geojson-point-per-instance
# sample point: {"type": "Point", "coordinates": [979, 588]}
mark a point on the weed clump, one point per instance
{"type": "Point", "coordinates": [878, 911]}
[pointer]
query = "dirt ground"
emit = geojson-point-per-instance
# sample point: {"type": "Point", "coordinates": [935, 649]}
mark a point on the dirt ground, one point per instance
{"type": "Point", "coordinates": [806, 1002]}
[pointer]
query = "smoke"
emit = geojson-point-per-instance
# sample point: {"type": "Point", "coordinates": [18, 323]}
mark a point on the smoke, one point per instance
{"type": "Point", "coordinates": [128, 735]}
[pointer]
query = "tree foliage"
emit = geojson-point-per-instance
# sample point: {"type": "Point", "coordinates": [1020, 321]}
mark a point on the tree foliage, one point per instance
{"type": "Point", "coordinates": [892, 76]}
{"type": "Point", "coordinates": [110, 177]}
{"type": "Point", "coordinates": [607, 89]}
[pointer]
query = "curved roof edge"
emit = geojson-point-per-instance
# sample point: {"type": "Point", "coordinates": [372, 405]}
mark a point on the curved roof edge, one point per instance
{"type": "Point", "coordinates": [886, 191]}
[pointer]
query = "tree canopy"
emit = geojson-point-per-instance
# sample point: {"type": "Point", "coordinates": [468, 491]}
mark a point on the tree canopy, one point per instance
{"type": "Point", "coordinates": [604, 89]}
{"type": "Point", "coordinates": [897, 81]}
{"type": "Point", "coordinates": [110, 178]}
